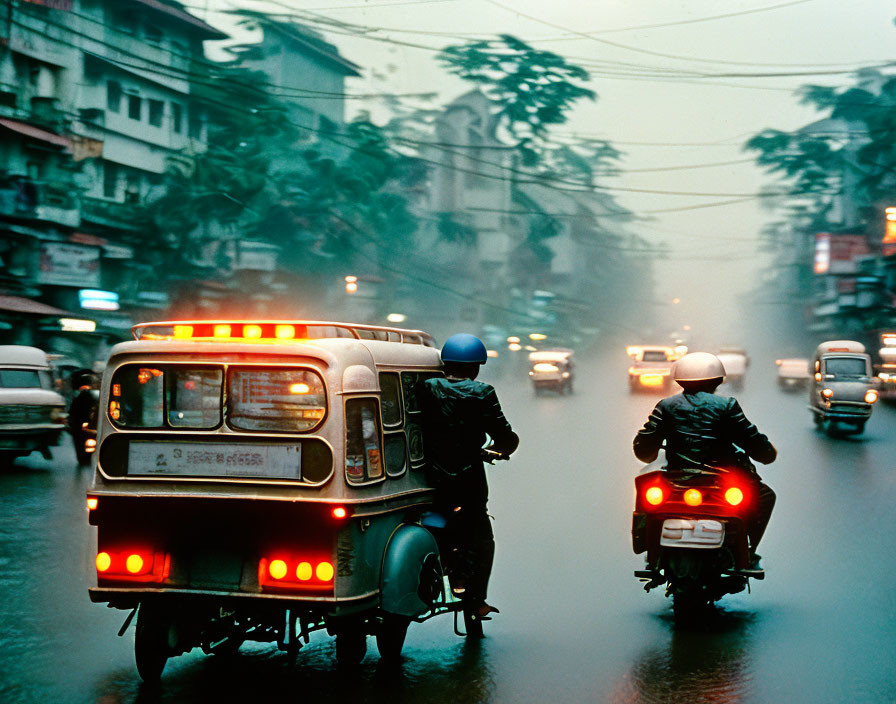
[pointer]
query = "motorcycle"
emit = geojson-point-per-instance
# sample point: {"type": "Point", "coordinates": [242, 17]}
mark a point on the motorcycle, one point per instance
{"type": "Point", "coordinates": [693, 527]}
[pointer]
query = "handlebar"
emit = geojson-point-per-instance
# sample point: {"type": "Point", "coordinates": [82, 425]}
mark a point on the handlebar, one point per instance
{"type": "Point", "coordinates": [491, 456]}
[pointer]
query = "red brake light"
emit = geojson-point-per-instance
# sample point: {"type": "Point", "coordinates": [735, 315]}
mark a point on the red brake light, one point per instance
{"type": "Point", "coordinates": [734, 496]}
{"type": "Point", "coordinates": [693, 497]}
{"type": "Point", "coordinates": [339, 512]}
{"type": "Point", "coordinates": [277, 569]}
{"type": "Point", "coordinates": [92, 503]}
{"type": "Point", "coordinates": [324, 571]}
{"type": "Point", "coordinates": [134, 563]}
{"type": "Point", "coordinates": [103, 561]}
{"type": "Point", "coordinates": [654, 496]}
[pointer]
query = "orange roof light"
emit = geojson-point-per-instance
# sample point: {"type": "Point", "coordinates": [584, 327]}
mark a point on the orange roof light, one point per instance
{"type": "Point", "coordinates": [654, 495]}
{"type": "Point", "coordinates": [692, 497]}
{"type": "Point", "coordinates": [183, 332]}
{"type": "Point", "coordinates": [285, 332]}
{"type": "Point", "coordinates": [222, 330]}
{"type": "Point", "coordinates": [252, 332]}
{"type": "Point", "coordinates": [304, 571]}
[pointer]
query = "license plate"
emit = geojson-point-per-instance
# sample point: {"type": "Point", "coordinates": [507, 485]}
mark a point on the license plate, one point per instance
{"type": "Point", "coordinates": [692, 533]}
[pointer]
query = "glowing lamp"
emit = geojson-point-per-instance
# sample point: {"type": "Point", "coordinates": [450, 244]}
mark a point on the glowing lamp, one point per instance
{"type": "Point", "coordinates": [304, 571]}
{"type": "Point", "coordinates": [654, 496]}
{"type": "Point", "coordinates": [870, 396]}
{"type": "Point", "coordinates": [221, 331]}
{"type": "Point", "coordinates": [277, 569]}
{"type": "Point", "coordinates": [252, 332]}
{"type": "Point", "coordinates": [299, 388]}
{"type": "Point", "coordinates": [285, 332]}
{"type": "Point", "coordinates": [183, 332]}
{"type": "Point", "coordinates": [103, 561]}
{"type": "Point", "coordinates": [324, 571]}
{"type": "Point", "coordinates": [734, 496]}
{"type": "Point", "coordinates": [92, 503]}
{"type": "Point", "coordinates": [692, 497]}
{"type": "Point", "coordinates": [827, 393]}
{"type": "Point", "coordinates": [339, 512]}
{"type": "Point", "coordinates": [134, 563]}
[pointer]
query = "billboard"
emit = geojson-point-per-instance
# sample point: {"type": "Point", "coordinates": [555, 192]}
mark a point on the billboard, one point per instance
{"type": "Point", "coordinates": [65, 264]}
{"type": "Point", "coordinates": [839, 254]}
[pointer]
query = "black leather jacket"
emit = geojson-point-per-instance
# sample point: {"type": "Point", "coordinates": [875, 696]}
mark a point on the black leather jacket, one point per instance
{"type": "Point", "coordinates": [457, 414]}
{"type": "Point", "coordinates": [702, 429]}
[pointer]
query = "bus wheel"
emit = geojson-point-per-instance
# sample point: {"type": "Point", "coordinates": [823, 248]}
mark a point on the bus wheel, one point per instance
{"type": "Point", "coordinates": [390, 636]}
{"type": "Point", "coordinates": [152, 643]}
{"type": "Point", "coordinates": [351, 646]}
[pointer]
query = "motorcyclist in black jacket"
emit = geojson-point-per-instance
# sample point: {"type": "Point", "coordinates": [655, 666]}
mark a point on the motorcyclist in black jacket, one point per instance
{"type": "Point", "coordinates": [703, 431]}
{"type": "Point", "coordinates": [458, 413]}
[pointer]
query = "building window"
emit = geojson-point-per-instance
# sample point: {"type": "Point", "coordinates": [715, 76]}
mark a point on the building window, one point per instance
{"type": "Point", "coordinates": [196, 123]}
{"type": "Point", "coordinates": [110, 180]}
{"type": "Point", "coordinates": [135, 107]}
{"type": "Point", "coordinates": [113, 96]}
{"type": "Point", "coordinates": [177, 117]}
{"type": "Point", "coordinates": [156, 108]}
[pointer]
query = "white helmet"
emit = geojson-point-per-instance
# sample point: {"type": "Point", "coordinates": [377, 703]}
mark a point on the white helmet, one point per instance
{"type": "Point", "coordinates": [698, 366]}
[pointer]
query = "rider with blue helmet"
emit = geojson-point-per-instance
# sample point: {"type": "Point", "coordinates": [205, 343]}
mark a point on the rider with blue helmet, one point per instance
{"type": "Point", "coordinates": [458, 413]}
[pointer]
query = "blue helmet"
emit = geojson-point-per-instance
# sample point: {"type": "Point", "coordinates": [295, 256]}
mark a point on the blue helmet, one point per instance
{"type": "Point", "coordinates": [464, 347]}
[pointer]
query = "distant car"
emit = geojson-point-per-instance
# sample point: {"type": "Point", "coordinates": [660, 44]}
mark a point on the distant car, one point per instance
{"type": "Point", "coordinates": [736, 350]}
{"type": "Point", "coordinates": [651, 367]}
{"type": "Point", "coordinates": [32, 414]}
{"type": "Point", "coordinates": [735, 363]}
{"type": "Point", "coordinates": [552, 369]}
{"type": "Point", "coordinates": [793, 373]}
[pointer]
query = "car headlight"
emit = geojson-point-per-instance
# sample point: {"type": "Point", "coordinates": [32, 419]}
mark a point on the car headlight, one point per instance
{"type": "Point", "coordinates": [827, 393]}
{"type": "Point", "coordinates": [870, 396]}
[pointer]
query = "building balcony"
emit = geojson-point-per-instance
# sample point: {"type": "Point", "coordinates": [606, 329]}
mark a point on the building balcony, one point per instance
{"type": "Point", "coordinates": [49, 201]}
{"type": "Point", "coordinates": [108, 213]}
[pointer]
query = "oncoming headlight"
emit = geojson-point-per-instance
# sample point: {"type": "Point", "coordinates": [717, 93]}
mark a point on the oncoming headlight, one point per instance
{"type": "Point", "coordinates": [870, 396]}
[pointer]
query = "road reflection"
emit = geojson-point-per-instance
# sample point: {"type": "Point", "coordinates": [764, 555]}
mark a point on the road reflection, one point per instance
{"type": "Point", "coordinates": [707, 663]}
{"type": "Point", "coordinates": [461, 674]}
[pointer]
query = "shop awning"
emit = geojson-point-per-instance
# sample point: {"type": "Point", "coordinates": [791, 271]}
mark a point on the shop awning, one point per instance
{"type": "Point", "coordinates": [17, 304]}
{"type": "Point", "coordinates": [36, 133]}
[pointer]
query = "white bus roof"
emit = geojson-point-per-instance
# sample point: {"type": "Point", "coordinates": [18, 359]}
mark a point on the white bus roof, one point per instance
{"type": "Point", "coordinates": [22, 355]}
{"type": "Point", "coordinates": [832, 346]}
{"type": "Point", "coordinates": [557, 355]}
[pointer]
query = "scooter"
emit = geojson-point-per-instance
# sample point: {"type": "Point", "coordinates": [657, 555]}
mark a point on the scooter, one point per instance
{"type": "Point", "coordinates": [439, 525]}
{"type": "Point", "coordinates": [693, 526]}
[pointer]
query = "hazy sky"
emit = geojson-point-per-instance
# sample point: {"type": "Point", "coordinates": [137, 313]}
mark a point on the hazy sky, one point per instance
{"type": "Point", "coordinates": [665, 125]}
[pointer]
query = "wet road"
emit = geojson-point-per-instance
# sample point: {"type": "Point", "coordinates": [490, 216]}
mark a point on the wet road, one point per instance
{"type": "Point", "coordinates": [575, 624]}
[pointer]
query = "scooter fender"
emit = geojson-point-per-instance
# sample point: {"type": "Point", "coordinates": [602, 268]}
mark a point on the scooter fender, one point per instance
{"type": "Point", "coordinates": [407, 562]}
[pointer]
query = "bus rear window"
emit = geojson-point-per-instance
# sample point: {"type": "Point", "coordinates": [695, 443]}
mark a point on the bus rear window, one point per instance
{"type": "Point", "coordinates": [166, 397]}
{"type": "Point", "coordinates": [276, 400]}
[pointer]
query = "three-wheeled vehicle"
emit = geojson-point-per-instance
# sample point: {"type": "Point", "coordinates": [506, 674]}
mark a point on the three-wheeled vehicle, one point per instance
{"type": "Point", "coordinates": [841, 391]}
{"type": "Point", "coordinates": [263, 480]}
{"type": "Point", "coordinates": [552, 369]}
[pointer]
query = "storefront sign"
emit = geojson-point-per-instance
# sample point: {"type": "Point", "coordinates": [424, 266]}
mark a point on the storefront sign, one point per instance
{"type": "Point", "coordinates": [65, 264]}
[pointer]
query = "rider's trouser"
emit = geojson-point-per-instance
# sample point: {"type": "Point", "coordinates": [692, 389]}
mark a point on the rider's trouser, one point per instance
{"type": "Point", "coordinates": [765, 504]}
{"type": "Point", "coordinates": [474, 540]}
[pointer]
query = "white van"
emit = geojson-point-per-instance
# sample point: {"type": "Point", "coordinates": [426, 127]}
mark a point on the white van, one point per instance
{"type": "Point", "coordinates": [32, 414]}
